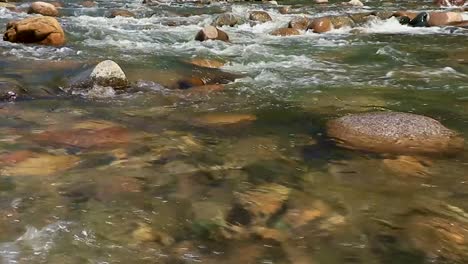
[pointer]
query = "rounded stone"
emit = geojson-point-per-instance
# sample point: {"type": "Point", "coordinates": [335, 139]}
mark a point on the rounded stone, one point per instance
{"type": "Point", "coordinates": [321, 25]}
{"type": "Point", "coordinates": [394, 132]}
{"type": "Point", "coordinates": [43, 8]}
{"type": "Point", "coordinates": [260, 16]}
{"type": "Point", "coordinates": [108, 73]}
{"type": "Point", "coordinates": [38, 29]}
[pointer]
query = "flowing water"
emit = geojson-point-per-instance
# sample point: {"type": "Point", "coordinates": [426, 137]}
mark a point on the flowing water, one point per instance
{"type": "Point", "coordinates": [151, 176]}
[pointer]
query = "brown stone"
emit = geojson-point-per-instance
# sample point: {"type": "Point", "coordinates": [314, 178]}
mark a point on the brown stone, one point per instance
{"type": "Point", "coordinates": [85, 138]}
{"type": "Point", "coordinates": [43, 8]}
{"type": "Point", "coordinates": [321, 25]}
{"type": "Point", "coordinates": [444, 18]}
{"type": "Point", "coordinates": [40, 30]}
{"type": "Point", "coordinates": [88, 4]}
{"type": "Point", "coordinates": [285, 32]}
{"type": "Point", "coordinates": [260, 16]}
{"type": "Point", "coordinates": [409, 166]}
{"type": "Point", "coordinates": [219, 119]}
{"type": "Point", "coordinates": [211, 33]}
{"type": "Point", "coordinates": [122, 13]}
{"type": "Point", "coordinates": [394, 132]}
{"type": "Point", "coordinates": [300, 23]}
{"type": "Point", "coordinates": [283, 10]}
{"type": "Point", "coordinates": [441, 237]}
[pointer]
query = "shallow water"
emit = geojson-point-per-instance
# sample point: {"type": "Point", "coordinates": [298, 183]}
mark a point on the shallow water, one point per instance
{"type": "Point", "coordinates": [150, 176]}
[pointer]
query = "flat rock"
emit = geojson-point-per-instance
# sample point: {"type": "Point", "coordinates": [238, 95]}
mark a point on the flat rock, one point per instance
{"type": "Point", "coordinates": [394, 132]}
{"type": "Point", "coordinates": [85, 138]}
{"type": "Point", "coordinates": [121, 13]}
{"type": "Point", "coordinates": [41, 165]}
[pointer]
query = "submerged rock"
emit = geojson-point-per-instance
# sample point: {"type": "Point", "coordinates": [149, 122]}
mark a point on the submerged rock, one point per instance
{"type": "Point", "coordinates": [257, 205]}
{"type": "Point", "coordinates": [211, 33]}
{"type": "Point", "coordinates": [121, 13]}
{"type": "Point", "coordinates": [220, 119]}
{"type": "Point", "coordinates": [39, 30]}
{"type": "Point", "coordinates": [393, 132]}
{"type": "Point", "coordinates": [285, 32]}
{"type": "Point", "coordinates": [38, 164]}
{"type": "Point", "coordinates": [409, 166]}
{"type": "Point", "coordinates": [439, 237]}
{"type": "Point", "coordinates": [43, 8]}
{"type": "Point", "coordinates": [207, 63]}
{"type": "Point", "coordinates": [227, 19]}
{"type": "Point", "coordinates": [260, 16]}
{"type": "Point", "coordinates": [10, 90]}
{"type": "Point", "coordinates": [85, 138]}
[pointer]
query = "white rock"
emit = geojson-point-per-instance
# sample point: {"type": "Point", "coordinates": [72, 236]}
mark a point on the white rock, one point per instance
{"type": "Point", "coordinates": [108, 73]}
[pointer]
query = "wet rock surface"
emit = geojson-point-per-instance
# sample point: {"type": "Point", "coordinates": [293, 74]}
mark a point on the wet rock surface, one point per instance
{"type": "Point", "coordinates": [394, 132]}
{"type": "Point", "coordinates": [39, 30]}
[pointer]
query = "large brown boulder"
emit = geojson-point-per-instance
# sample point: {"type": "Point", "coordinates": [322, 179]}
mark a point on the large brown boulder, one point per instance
{"type": "Point", "coordinates": [43, 8]}
{"type": "Point", "coordinates": [211, 33]}
{"type": "Point", "coordinates": [394, 132]}
{"type": "Point", "coordinates": [321, 25]}
{"type": "Point", "coordinates": [260, 16]}
{"type": "Point", "coordinates": [40, 30]}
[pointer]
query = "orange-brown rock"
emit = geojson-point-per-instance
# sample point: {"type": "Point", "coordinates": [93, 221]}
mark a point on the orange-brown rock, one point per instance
{"type": "Point", "coordinates": [43, 8]}
{"type": "Point", "coordinates": [211, 33]}
{"type": "Point", "coordinates": [85, 138]}
{"type": "Point", "coordinates": [321, 25]}
{"type": "Point", "coordinates": [394, 132]}
{"type": "Point", "coordinates": [444, 18]}
{"type": "Point", "coordinates": [285, 32]}
{"type": "Point", "coordinates": [40, 30]}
